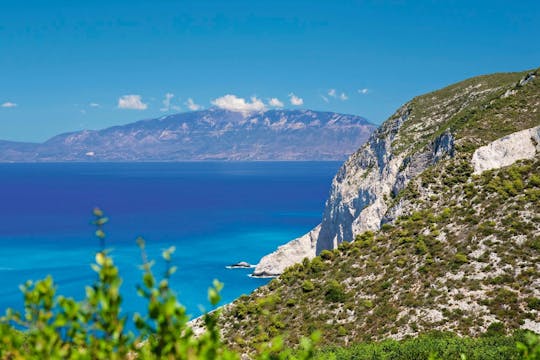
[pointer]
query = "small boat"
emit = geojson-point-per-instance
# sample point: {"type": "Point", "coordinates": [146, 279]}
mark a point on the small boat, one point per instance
{"type": "Point", "coordinates": [240, 265]}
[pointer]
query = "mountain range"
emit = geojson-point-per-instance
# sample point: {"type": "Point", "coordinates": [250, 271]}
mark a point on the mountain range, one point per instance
{"type": "Point", "coordinates": [213, 134]}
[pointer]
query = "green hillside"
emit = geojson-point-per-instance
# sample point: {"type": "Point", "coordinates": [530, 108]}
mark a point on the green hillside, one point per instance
{"type": "Point", "coordinates": [464, 256]}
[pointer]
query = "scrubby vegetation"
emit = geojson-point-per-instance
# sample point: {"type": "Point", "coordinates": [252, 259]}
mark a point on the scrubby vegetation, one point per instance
{"type": "Point", "coordinates": [458, 252]}
{"type": "Point", "coordinates": [476, 110]}
{"type": "Point", "coordinates": [461, 262]}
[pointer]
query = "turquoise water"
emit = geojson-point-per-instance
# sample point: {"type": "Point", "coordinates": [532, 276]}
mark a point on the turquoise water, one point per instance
{"type": "Point", "coordinates": [215, 214]}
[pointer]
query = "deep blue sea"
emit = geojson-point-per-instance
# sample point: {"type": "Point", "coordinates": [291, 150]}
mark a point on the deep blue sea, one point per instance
{"type": "Point", "coordinates": [214, 213]}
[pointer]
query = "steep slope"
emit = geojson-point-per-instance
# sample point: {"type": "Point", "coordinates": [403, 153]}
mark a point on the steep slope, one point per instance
{"type": "Point", "coordinates": [423, 131]}
{"type": "Point", "coordinates": [212, 134]}
{"type": "Point", "coordinates": [443, 245]}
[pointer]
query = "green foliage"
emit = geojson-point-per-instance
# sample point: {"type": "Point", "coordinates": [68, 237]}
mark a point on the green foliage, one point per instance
{"type": "Point", "coordinates": [421, 247]}
{"type": "Point", "coordinates": [316, 265]}
{"type": "Point", "coordinates": [441, 346]}
{"type": "Point", "coordinates": [364, 240]}
{"type": "Point", "coordinates": [529, 348]}
{"type": "Point", "coordinates": [335, 292]}
{"type": "Point", "coordinates": [307, 286]}
{"type": "Point", "coordinates": [460, 258]}
{"type": "Point", "coordinates": [533, 303]}
{"type": "Point", "coordinates": [427, 259]}
{"type": "Point", "coordinates": [326, 255]}
{"type": "Point", "coordinates": [56, 327]}
{"type": "Point", "coordinates": [495, 329]}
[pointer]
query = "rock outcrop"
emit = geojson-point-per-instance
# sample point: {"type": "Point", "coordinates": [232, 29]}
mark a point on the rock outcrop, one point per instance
{"type": "Point", "coordinates": [292, 252]}
{"type": "Point", "coordinates": [520, 145]}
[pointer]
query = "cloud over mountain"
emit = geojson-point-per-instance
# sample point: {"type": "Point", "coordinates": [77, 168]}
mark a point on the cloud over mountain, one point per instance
{"type": "Point", "coordinates": [238, 104]}
{"type": "Point", "coordinates": [131, 102]}
{"type": "Point", "coordinates": [192, 105]}
{"type": "Point", "coordinates": [275, 102]}
{"type": "Point", "coordinates": [295, 100]}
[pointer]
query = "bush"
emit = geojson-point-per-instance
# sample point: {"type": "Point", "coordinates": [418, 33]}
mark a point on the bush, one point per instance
{"type": "Point", "coordinates": [495, 329]}
{"type": "Point", "coordinates": [533, 303]}
{"type": "Point", "coordinates": [307, 286]}
{"type": "Point", "coordinates": [421, 247]}
{"type": "Point", "coordinates": [335, 292]}
{"type": "Point", "coordinates": [326, 255]}
{"type": "Point", "coordinates": [460, 258]}
{"type": "Point", "coordinates": [317, 265]}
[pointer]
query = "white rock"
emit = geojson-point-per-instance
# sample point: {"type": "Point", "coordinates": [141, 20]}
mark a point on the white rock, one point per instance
{"type": "Point", "coordinates": [291, 253]}
{"type": "Point", "coordinates": [531, 325]}
{"type": "Point", "coordinates": [507, 150]}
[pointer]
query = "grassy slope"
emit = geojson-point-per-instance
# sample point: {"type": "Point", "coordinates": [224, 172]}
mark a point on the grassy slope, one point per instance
{"type": "Point", "coordinates": [475, 110]}
{"type": "Point", "coordinates": [467, 254]}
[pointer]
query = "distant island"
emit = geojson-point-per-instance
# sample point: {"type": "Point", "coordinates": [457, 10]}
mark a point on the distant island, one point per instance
{"type": "Point", "coordinates": [213, 134]}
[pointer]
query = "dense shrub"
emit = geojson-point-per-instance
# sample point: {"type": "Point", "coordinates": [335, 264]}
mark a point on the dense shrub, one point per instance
{"type": "Point", "coordinates": [441, 346]}
{"type": "Point", "coordinates": [335, 292]}
{"type": "Point", "coordinates": [326, 255]}
{"type": "Point", "coordinates": [308, 286]}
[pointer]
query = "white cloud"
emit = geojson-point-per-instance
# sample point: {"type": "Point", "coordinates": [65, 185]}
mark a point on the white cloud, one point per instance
{"type": "Point", "coordinates": [192, 105]}
{"type": "Point", "coordinates": [132, 102]}
{"type": "Point", "coordinates": [94, 105]}
{"type": "Point", "coordinates": [275, 102]}
{"type": "Point", "coordinates": [234, 103]}
{"type": "Point", "coordinates": [295, 100]}
{"type": "Point", "coordinates": [8, 104]}
{"type": "Point", "coordinates": [363, 91]}
{"type": "Point", "coordinates": [333, 93]}
{"type": "Point", "coordinates": [325, 99]}
{"type": "Point", "coordinates": [167, 103]}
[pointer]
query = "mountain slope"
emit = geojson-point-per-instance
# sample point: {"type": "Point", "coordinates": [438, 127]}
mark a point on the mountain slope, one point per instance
{"type": "Point", "coordinates": [439, 243]}
{"type": "Point", "coordinates": [458, 118]}
{"type": "Point", "coordinates": [212, 134]}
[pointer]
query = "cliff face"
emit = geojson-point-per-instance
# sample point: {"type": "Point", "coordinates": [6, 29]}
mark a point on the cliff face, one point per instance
{"type": "Point", "coordinates": [421, 133]}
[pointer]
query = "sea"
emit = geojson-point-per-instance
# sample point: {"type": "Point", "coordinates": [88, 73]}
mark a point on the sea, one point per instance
{"type": "Point", "coordinates": [214, 213]}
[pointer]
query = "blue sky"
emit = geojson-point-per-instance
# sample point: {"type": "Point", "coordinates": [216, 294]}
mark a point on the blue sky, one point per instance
{"type": "Point", "coordinates": [68, 65]}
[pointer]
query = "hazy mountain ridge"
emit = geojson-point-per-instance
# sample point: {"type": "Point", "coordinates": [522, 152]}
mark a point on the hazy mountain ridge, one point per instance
{"type": "Point", "coordinates": [211, 134]}
{"type": "Point", "coordinates": [448, 247]}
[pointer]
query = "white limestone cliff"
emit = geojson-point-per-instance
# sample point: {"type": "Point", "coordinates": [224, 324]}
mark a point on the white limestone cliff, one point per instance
{"type": "Point", "coordinates": [507, 150]}
{"type": "Point", "coordinates": [359, 194]}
